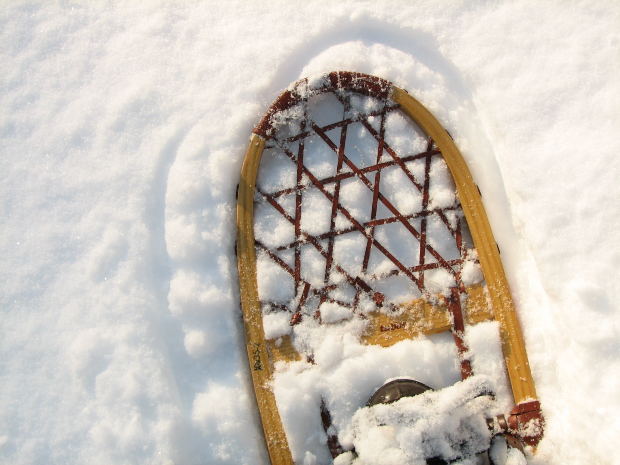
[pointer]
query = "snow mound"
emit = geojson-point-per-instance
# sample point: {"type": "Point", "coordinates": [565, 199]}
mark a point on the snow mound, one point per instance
{"type": "Point", "coordinates": [449, 424]}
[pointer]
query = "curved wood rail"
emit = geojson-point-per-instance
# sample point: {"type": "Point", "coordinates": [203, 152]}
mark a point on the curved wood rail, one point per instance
{"type": "Point", "coordinates": [512, 340]}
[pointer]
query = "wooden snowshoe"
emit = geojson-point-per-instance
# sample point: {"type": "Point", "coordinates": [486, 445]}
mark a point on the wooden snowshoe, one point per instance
{"type": "Point", "coordinates": [355, 205]}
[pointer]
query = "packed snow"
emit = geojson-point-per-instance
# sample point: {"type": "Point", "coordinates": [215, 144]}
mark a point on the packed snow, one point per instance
{"type": "Point", "coordinates": [122, 130]}
{"type": "Point", "coordinates": [449, 423]}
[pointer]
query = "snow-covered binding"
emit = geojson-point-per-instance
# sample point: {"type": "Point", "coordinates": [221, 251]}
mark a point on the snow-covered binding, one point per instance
{"type": "Point", "coordinates": [359, 222]}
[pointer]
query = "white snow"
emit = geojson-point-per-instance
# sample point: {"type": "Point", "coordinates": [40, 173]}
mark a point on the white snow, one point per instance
{"type": "Point", "coordinates": [273, 280]}
{"type": "Point", "coordinates": [276, 324]}
{"type": "Point", "coordinates": [122, 130]}
{"type": "Point", "coordinates": [345, 374]}
{"type": "Point", "coordinates": [332, 312]}
{"type": "Point", "coordinates": [448, 423]}
{"type": "Point", "coordinates": [471, 272]}
{"type": "Point", "coordinates": [442, 187]}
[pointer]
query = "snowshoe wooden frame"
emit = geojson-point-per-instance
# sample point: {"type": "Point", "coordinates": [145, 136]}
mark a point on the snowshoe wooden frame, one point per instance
{"type": "Point", "coordinates": [258, 350]}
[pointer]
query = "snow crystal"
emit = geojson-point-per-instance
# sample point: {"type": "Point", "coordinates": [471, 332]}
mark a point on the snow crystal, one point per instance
{"type": "Point", "coordinates": [217, 409]}
{"type": "Point", "coordinates": [316, 212]}
{"type": "Point", "coordinates": [398, 135]}
{"type": "Point", "coordinates": [400, 191]}
{"type": "Point", "coordinates": [439, 280]}
{"type": "Point", "coordinates": [275, 172]}
{"type": "Point", "coordinates": [332, 312]}
{"type": "Point", "coordinates": [442, 190]}
{"type": "Point", "coordinates": [272, 229]}
{"type": "Point", "coordinates": [362, 104]}
{"type": "Point", "coordinates": [324, 109]}
{"type": "Point", "coordinates": [313, 269]}
{"type": "Point", "coordinates": [319, 158]}
{"type": "Point", "coordinates": [471, 273]}
{"type": "Point", "coordinates": [349, 252]}
{"type": "Point", "coordinates": [356, 197]}
{"type": "Point", "coordinates": [317, 81]}
{"type": "Point", "coordinates": [276, 324]}
{"type": "Point", "coordinates": [196, 343]}
{"type": "Point", "coordinates": [485, 355]}
{"type": "Point", "coordinates": [286, 122]}
{"type": "Point", "coordinates": [274, 283]}
{"type": "Point", "coordinates": [397, 289]}
{"type": "Point", "coordinates": [501, 453]}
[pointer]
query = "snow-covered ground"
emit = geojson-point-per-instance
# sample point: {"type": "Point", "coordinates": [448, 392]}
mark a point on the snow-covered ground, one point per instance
{"type": "Point", "coordinates": [122, 129]}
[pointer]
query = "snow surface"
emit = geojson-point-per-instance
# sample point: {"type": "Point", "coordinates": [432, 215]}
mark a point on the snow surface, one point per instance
{"type": "Point", "coordinates": [449, 423]}
{"type": "Point", "coordinates": [122, 129]}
